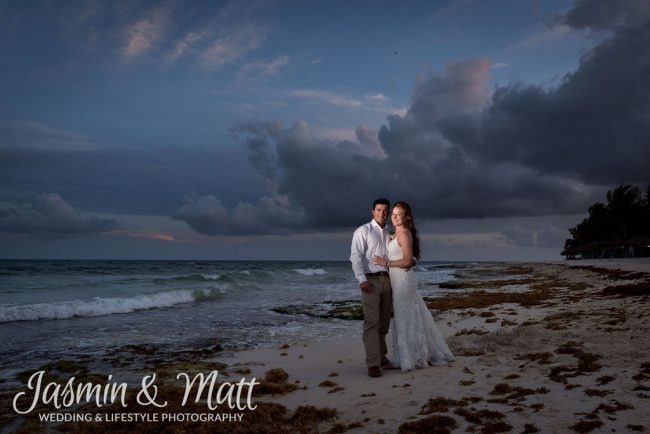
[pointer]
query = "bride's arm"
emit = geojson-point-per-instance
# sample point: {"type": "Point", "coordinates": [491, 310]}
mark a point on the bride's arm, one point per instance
{"type": "Point", "coordinates": [405, 241]}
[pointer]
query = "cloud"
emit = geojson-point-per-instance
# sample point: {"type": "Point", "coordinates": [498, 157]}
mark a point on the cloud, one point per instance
{"type": "Point", "coordinates": [30, 135]}
{"type": "Point", "coordinates": [265, 69]}
{"type": "Point", "coordinates": [189, 40]}
{"type": "Point", "coordinates": [146, 33]}
{"type": "Point", "coordinates": [377, 102]}
{"type": "Point", "coordinates": [118, 179]}
{"type": "Point", "coordinates": [207, 215]}
{"type": "Point", "coordinates": [553, 32]}
{"type": "Point", "coordinates": [156, 236]}
{"type": "Point", "coordinates": [49, 213]}
{"type": "Point", "coordinates": [605, 15]}
{"type": "Point", "coordinates": [274, 152]}
{"type": "Point", "coordinates": [427, 157]}
{"type": "Point", "coordinates": [457, 150]}
{"type": "Point", "coordinates": [461, 90]}
{"type": "Point", "coordinates": [327, 97]}
{"type": "Point", "coordinates": [233, 45]}
{"type": "Point", "coordinates": [446, 13]}
{"type": "Point", "coordinates": [369, 139]}
{"type": "Point", "coordinates": [379, 97]}
{"type": "Point", "coordinates": [222, 36]}
{"type": "Point", "coordinates": [592, 128]}
{"type": "Point", "coordinates": [334, 181]}
{"type": "Point", "coordinates": [87, 36]}
{"type": "Point", "coordinates": [91, 8]}
{"type": "Point", "coordinates": [595, 16]}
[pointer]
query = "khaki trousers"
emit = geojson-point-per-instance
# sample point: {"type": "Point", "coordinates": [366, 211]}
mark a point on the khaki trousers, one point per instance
{"type": "Point", "coordinates": [377, 308]}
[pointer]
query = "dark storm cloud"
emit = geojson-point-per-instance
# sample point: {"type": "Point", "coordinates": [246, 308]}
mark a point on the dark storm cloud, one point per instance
{"type": "Point", "coordinates": [328, 184]}
{"type": "Point", "coordinates": [604, 15]}
{"type": "Point", "coordinates": [594, 127]}
{"type": "Point", "coordinates": [49, 213]}
{"type": "Point", "coordinates": [462, 152]}
{"type": "Point", "coordinates": [336, 182]}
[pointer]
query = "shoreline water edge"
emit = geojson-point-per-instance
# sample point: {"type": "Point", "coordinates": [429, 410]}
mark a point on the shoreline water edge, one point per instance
{"type": "Point", "coordinates": [540, 347]}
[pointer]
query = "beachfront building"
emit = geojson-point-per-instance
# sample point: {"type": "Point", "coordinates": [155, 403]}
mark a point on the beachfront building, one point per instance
{"type": "Point", "coordinates": [634, 248]}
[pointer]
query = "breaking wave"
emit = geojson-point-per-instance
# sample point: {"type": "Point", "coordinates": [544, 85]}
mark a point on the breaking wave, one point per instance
{"type": "Point", "coordinates": [104, 306]}
{"type": "Point", "coordinates": [310, 271]}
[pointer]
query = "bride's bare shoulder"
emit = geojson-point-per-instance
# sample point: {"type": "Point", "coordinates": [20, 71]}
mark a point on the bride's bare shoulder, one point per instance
{"type": "Point", "coordinates": [405, 235]}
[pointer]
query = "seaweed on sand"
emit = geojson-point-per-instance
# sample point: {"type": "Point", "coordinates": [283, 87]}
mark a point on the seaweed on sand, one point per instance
{"type": "Point", "coordinates": [274, 383]}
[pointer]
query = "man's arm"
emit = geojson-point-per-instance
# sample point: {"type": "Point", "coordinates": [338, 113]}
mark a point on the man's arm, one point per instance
{"type": "Point", "coordinates": [357, 253]}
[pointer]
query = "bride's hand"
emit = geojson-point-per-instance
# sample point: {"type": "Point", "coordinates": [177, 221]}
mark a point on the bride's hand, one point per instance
{"type": "Point", "coordinates": [379, 260]}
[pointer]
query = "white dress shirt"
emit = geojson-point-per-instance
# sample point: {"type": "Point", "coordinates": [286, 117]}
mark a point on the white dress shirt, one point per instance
{"type": "Point", "coordinates": [368, 240]}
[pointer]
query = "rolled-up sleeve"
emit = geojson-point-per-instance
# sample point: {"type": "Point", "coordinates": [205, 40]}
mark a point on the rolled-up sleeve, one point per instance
{"type": "Point", "coordinates": [357, 254]}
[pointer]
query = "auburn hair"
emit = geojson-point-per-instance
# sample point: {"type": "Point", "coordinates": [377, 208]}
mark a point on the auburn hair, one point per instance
{"type": "Point", "coordinates": [410, 225]}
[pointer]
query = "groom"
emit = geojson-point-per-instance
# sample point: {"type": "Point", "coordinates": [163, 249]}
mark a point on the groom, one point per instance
{"type": "Point", "coordinates": [369, 240]}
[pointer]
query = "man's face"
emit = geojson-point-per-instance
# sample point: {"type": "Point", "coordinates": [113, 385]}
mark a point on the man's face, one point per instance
{"type": "Point", "coordinates": [380, 213]}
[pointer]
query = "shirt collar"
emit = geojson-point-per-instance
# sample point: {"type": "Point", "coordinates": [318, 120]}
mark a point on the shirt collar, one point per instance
{"type": "Point", "coordinates": [374, 223]}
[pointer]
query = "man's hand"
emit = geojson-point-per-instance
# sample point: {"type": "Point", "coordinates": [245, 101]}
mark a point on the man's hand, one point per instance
{"type": "Point", "coordinates": [366, 287]}
{"type": "Point", "coordinates": [411, 266]}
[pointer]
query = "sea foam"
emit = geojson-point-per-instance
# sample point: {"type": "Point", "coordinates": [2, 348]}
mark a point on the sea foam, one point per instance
{"type": "Point", "coordinates": [310, 271]}
{"type": "Point", "coordinates": [214, 276]}
{"type": "Point", "coordinates": [100, 306]}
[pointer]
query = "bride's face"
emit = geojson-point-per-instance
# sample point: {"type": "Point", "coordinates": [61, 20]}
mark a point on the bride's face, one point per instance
{"type": "Point", "coordinates": [397, 216]}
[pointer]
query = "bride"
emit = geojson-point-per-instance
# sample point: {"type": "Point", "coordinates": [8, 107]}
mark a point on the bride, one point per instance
{"type": "Point", "coordinates": [417, 343]}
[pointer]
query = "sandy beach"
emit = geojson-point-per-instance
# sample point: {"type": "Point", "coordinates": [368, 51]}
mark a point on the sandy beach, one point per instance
{"type": "Point", "coordinates": [544, 347]}
{"type": "Point", "coordinates": [576, 360]}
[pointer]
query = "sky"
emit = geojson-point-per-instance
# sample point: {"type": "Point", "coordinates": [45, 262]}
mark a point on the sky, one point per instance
{"type": "Point", "coordinates": [253, 130]}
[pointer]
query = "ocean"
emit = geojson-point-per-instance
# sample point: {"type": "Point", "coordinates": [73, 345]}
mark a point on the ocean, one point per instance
{"type": "Point", "coordinates": [56, 309]}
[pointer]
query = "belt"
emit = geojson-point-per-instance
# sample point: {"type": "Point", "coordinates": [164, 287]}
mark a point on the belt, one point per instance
{"type": "Point", "coordinates": [378, 273]}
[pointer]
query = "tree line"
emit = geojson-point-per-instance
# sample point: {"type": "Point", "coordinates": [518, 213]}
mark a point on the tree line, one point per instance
{"type": "Point", "coordinates": [619, 228]}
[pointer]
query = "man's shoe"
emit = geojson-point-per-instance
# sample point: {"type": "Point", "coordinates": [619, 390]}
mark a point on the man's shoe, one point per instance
{"type": "Point", "coordinates": [374, 371]}
{"type": "Point", "coordinates": [388, 365]}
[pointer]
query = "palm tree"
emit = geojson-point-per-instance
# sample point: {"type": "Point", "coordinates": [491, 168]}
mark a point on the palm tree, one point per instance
{"type": "Point", "coordinates": [624, 204]}
{"type": "Point", "coordinates": [622, 225]}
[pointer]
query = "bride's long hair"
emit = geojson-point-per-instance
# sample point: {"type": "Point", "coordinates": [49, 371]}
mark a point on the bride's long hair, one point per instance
{"type": "Point", "coordinates": [410, 225]}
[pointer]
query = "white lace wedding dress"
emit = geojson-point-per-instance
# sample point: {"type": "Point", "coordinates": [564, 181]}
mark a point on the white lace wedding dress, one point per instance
{"type": "Point", "coordinates": [417, 343]}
